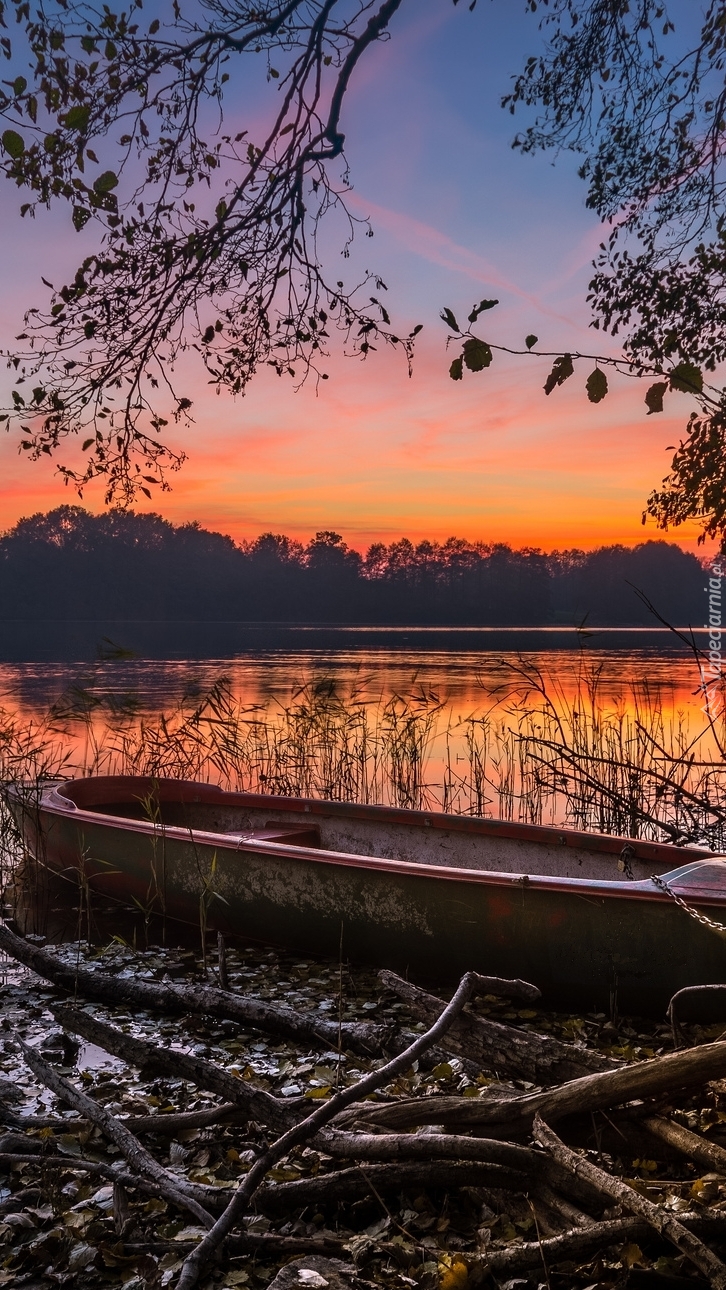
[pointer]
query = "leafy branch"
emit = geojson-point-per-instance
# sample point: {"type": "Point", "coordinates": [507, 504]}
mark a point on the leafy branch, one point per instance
{"type": "Point", "coordinates": [206, 246]}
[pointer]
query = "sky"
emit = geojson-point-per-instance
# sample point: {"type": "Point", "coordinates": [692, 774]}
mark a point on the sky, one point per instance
{"type": "Point", "coordinates": [457, 215]}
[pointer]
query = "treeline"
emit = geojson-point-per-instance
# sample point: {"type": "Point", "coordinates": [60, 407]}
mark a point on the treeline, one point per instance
{"type": "Point", "coordinates": [69, 564]}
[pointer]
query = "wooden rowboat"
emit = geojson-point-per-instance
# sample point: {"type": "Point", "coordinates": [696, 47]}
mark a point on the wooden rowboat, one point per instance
{"type": "Point", "coordinates": [579, 914]}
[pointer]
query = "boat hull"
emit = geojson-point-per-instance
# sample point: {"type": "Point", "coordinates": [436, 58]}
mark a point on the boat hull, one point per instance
{"type": "Point", "coordinates": [588, 945]}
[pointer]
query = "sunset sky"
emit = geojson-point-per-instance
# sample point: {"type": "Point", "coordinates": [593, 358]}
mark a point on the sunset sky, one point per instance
{"type": "Point", "coordinates": [457, 215]}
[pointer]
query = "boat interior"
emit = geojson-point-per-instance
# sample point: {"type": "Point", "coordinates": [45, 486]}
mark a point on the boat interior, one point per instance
{"type": "Point", "coordinates": [451, 841]}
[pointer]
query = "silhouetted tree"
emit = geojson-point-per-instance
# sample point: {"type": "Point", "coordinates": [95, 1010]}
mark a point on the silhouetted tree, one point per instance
{"type": "Point", "coordinates": [70, 564]}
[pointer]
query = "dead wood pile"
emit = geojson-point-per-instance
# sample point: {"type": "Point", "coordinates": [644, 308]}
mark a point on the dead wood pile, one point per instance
{"type": "Point", "coordinates": [162, 1131]}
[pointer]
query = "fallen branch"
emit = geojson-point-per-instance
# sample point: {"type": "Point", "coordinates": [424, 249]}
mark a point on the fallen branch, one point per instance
{"type": "Point", "coordinates": [429, 1146]}
{"type": "Point", "coordinates": [361, 1037]}
{"type": "Point", "coordinates": [185, 1195]}
{"type": "Point", "coordinates": [365, 1180]}
{"type": "Point", "coordinates": [659, 1218]}
{"type": "Point", "coordinates": [586, 1241]}
{"type": "Point", "coordinates": [692, 1145]}
{"type": "Point", "coordinates": [255, 1103]}
{"type": "Point", "coordinates": [512, 1116]}
{"type": "Point", "coordinates": [199, 1258]}
{"type": "Point", "coordinates": [504, 1049]}
{"type": "Point", "coordinates": [54, 1160]}
{"type": "Point", "coordinates": [575, 1245]}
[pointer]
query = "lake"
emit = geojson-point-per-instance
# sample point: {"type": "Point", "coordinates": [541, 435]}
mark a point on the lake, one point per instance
{"type": "Point", "coordinates": [459, 719]}
{"type": "Point", "coordinates": [38, 661]}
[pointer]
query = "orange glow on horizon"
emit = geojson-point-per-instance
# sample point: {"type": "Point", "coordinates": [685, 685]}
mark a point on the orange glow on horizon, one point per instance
{"type": "Point", "coordinates": [377, 457]}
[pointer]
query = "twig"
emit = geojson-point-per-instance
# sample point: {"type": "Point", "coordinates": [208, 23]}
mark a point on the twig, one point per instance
{"type": "Point", "coordinates": [222, 963]}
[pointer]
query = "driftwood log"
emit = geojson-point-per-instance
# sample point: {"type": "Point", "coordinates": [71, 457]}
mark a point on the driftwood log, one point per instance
{"type": "Point", "coordinates": [585, 1242]}
{"type": "Point", "coordinates": [197, 1261]}
{"type": "Point", "coordinates": [513, 1116]}
{"type": "Point", "coordinates": [165, 1125]}
{"type": "Point", "coordinates": [361, 1037]}
{"type": "Point", "coordinates": [369, 1179]}
{"type": "Point", "coordinates": [190, 1196]}
{"type": "Point", "coordinates": [504, 1049]}
{"type": "Point", "coordinates": [369, 1147]}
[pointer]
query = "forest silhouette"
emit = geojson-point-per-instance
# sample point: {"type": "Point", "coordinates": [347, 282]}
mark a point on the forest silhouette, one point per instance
{"type": "Point", "coordinates": [70, 564]}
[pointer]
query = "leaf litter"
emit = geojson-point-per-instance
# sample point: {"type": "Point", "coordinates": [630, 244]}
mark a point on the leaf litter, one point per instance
{"type": "Point", "coordinates": [65, 1226]}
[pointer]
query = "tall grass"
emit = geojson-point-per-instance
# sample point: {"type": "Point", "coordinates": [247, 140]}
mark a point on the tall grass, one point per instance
{"type": "Point", "coordinates": [530, 752]}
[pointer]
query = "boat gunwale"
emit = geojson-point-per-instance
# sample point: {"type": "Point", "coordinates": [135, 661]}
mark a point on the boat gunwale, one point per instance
{"type": "Point", "coordinates": [56, 803]}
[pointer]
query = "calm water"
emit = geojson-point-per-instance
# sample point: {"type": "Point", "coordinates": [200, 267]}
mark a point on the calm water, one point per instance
{"type": "Point", "coordinates": [647, 681]}
{"type": "Point", "coordinates": [39, 662]}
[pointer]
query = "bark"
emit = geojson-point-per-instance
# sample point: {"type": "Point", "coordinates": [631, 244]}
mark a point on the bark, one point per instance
{"type": "Point", "coordinates": [255, 1103]}
{"type": "Point", "coordinates": [195, 1264]}
{"type": "Point", "coordinates": [429, 1146]}
{"type": "Point", "coordinates": [512, 1116]}
{"type": "Point", "coordinates": [570, 1215]}
{"type": "Point", "coordinates": [707, 1154]}
{"type": "Point", "coordinates": [180, 1192]}
{"type": "Point", "coordinates": [53, 1160]}
{"type": "Point", "coordinates": [361, 1037]}
{"type": "Point", "coordinates": [574, 1245]}
{"type": "Point", "coordinates": [494, 1046]}
{"type": "Point", "coordinates": [365, 1180]}
{"type": "Point", "coordinates": [660, 1219]}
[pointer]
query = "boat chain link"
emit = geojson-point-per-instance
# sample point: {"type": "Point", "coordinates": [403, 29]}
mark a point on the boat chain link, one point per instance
{"type": "Point", "coordinates": [712, 925]}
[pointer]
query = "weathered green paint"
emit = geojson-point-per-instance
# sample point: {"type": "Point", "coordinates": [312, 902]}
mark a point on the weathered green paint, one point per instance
{"type": "Point", "coordinates": [581, 942]}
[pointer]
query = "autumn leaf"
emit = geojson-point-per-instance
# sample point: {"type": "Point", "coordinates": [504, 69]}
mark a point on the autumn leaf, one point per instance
{"type": "Point", "coordinates": [13, 144]}
{"type": "Point", "coordinates": [456, 371]}
{"type": "Point", "coordinates": [631, 1254]}
{"type": "Point", "coordinates": [596, 385]}
{"type": "Point", "coordinates": [561, 369]}
{"type": "Point", "coordinates": [480, 308]}
{"type": "Point", "coordinates": [654, 397]}
{"type": "Point", "coordinates": [477, 354]}
{"type": "Point", "coordinates": [687, 378]}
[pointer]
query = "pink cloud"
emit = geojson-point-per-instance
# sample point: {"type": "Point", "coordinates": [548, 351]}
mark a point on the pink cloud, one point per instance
{"type": "Point", "coordinates": [438, 248]}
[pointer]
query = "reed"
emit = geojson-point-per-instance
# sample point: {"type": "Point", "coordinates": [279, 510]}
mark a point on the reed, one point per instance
{"type": "Point", "coordinates": [530, 752]}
